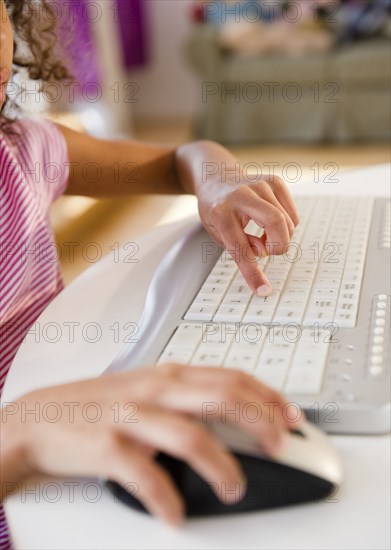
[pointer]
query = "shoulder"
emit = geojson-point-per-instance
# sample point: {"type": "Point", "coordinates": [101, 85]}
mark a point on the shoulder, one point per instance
{"type": "Point", "coordinates": [30, 131]}
{"type": "Point", "coordinates": [38, 148]}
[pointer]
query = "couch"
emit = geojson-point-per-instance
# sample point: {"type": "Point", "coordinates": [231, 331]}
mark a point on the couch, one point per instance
{"type": "Point", "coordinates": [339, 96]}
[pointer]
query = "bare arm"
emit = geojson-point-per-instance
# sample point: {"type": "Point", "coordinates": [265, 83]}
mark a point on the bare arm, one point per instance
{"type": "Point", "coordinates": [227, 199]}
{"type": "Point", "coordinates": [104, 168]}
{"type": "Point", "coordinates": [169, 403]}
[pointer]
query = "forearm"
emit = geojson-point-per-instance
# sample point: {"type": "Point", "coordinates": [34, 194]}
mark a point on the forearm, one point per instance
{"type": "Point", "coordinates": [112, 168]}
{"type": "Point", "coordinates": [104, 168]}
{"type": "Point", "coordinates": [13, 463]}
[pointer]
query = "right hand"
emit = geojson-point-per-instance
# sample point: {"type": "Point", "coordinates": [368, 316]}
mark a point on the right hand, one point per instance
{"type": "Point", "coordinates": [166, 400]}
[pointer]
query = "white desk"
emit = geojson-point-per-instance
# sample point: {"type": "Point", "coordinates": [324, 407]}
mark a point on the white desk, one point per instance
{"type": "Point", "coordinates": [357, 518]}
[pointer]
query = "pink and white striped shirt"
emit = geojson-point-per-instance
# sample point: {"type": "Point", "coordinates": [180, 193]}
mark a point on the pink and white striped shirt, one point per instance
{"type": "Point", "coordinates": [33, 173]}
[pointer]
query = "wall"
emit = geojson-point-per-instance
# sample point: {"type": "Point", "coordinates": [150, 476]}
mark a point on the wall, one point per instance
{"type": "Point", "coordinates": [168, 87]}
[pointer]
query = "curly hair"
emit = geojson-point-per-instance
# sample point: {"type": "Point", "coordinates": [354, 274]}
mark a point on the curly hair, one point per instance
{"type": "Point", "coordinates": [34, 25]}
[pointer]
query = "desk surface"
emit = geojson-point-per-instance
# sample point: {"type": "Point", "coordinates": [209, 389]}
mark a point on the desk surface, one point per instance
{"type": "Point", "coordinates": [82, 514]}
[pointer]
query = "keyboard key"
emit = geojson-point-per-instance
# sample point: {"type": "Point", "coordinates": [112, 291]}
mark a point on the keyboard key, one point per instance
{"type": "Point", "coordinates": [187, 336]}
{"type": "Point", "coordinates": [319, 293]}
{"type": "Point", "coordinates": [230, 313]}
{"type": "Point", "coordinates": [330, 272]}
{"type": "Point", "coordinates": [208, 299]}
{"type": "Point", "coordinates": [306, 374]}
{"type": "Point", "coordinates": [327, 282]}
{"type": "Point", "coordinates": [221, 271]}
{"type": "Point", "coordinates": [321, 318]}
{"type": "Point", "coordinates": [294, 293]}
{"type": "Point", "coordinates": [345, 319]}
{"type": "Point", "coordinates": [201, 312]}
{"type": "Point", "coordinates": [172, 355]}
{"type": "Point", "coordinates": [278, 347]}
{"type": "Point", "coordinates": [221, 281]}
{"type": "Point", "coordinates": [300, 271]}
{"type": "Point", "coordinates": [266, 301]}
{"type": "Point", "coordinates": [318, 304]}
{"type": "Point", "coordinates": [272, 370]}
{"type": "Point", "coordinates": [304, 382]}
{"type": "Point", "coordinates": [278, 263]}
{"type": "Point", "coordinates": [250, 335]}
{"type": "Point", "coordinates": [296, 303]}
{"type": "Point", "coordinates": [349, 295]}
{"type": "Point", "coordinates": [299, 282]}
{"type": "Point", "coordinates": [256, 314]}
{"type": "Point", "coordinates": [239, 358]}
{"type": "Point", "coordinates": [218, 333]}
{"type": "Point", "coordinates": [276, 274]}
{"type": "Point", "coordinates": [235, 301]}
{"type": "Point", "coordinates": [277, 284]}
{"type": "Point", "coordinates": [288, 315]}
{"type": "Point", "coordinates": [240, 290]}
{"type": "Point", "coordinates": [346, 285]}
{"type": "Point", "coordinates": [312, 346]}
{"type": "Point", "coordinates": [204, 357]}
{"type": "Point", "coordinates": [210, 289]}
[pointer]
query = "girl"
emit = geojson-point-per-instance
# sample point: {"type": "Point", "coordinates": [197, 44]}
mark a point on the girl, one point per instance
{"type": "Point", "coordinates": [169, 397]}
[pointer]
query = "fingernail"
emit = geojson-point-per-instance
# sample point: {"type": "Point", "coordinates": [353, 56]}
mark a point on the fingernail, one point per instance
{"type": "Point", "coordinates": [264, 290]}
{"type": "Point", "coordinates": [176, 521]}
{"type": "Point", "coordinates": [234, 494]}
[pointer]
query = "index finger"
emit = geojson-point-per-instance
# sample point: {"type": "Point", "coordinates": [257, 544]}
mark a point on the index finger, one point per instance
{"type": "Point", "coordinates": [238, 245]}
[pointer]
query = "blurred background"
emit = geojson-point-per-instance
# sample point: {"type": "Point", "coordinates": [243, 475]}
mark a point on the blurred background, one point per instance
{"type": "Point", "coordinates": [302, 86]}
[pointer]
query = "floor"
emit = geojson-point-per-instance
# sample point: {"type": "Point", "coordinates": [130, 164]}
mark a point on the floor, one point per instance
{"type": "Point", "coordinates": [86, 229]}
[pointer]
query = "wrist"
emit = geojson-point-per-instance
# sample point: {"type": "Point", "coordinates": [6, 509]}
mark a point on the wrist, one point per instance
{"type": "Point", "coordinates": [183, 169]}
{"type": "Point", "coordinates": [203, 164]}
{"type": "Point", "coordinates": [14, 465]}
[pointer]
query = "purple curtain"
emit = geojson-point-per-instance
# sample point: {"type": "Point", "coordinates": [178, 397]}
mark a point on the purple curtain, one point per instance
{"type": "Point", "coordinates": [133, 32]}
{"type": "Point", "coordinates": [77, 42]}
{"type": "Point", "coordinates": [77, 39]}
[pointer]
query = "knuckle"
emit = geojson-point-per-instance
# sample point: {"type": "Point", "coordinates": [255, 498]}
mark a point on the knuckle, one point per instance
{"type": "Point", "coordinates": [260, 188]}
{"type": "Point", "coordinates": [228, 393]}
{"type": "Point", "coordinates": [278, 182]}
{"type": "Point", "coordinates": [237, 379]}
{"type": "Point", "coordinates": [170, 369]}
{"type": "Point", "coordinates": [277, 218]}
{"type": "Point", "coordinates": [239, 192]}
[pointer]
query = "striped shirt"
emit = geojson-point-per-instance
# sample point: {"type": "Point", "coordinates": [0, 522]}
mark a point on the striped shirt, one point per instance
{"type": "Point", "coordinates": [33, 173]}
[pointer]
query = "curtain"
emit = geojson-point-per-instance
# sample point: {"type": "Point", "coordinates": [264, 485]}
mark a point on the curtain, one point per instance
{"type": "Point", "coordinates": [76, 18]}
{"type": "Point", "coordinates": [133, 32]}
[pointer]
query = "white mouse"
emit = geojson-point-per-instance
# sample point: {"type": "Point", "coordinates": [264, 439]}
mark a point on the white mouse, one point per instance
{"type": "Point", "coordinates": [306, 469]}
{"type": "Point", "coordinates": [308, 449]}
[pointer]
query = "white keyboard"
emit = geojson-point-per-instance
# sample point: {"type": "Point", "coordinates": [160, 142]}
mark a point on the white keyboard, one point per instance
{"type": "Point", "coordinates": [283, 339]}
{"type": "Point", "coordinates": [322, 338]}
{"type": "Point", "coordinates": [267, 354]}
{"type": "Point", "coordinates": [318, 280]}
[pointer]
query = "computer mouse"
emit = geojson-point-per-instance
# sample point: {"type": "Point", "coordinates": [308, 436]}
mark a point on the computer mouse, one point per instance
{"type": "Point", "coordinates": [306, 469]}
